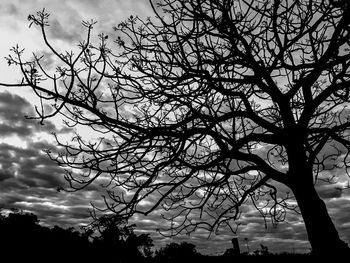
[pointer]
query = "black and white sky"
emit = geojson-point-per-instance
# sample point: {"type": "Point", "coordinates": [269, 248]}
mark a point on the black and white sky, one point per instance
{"type": "Point", "coordinates": [28, 179]}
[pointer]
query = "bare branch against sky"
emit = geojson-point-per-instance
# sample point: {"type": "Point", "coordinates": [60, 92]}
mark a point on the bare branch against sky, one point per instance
{"type": "Point", "coordinates": [220, 116]}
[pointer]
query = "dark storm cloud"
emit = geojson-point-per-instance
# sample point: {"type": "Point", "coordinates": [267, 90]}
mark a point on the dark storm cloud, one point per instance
{"type": "Point", "coordinates": [13, 110]}
{"type": "Point", "coordinates": [28, 178]}
{"type": "Point", "coordinates": [4, 174]}
{"type": "Point", "coordinates": [28, 168]}
{"type": "Point", "coordinates": [57, 31]}
{"type": "Point", "coordinates": [29, 181]}
{"type": "Point", "coordinates": [328, 191]}
{"type": "Point", "coordinates": [51, 207]}
{"type": "Point", "coordinates": [48, 60]}
{"type": "Point", "coordinates": [287, 234]}
{"type": "Point", "coordinates": [12, 106]}
{"type": "Point", "coordinates": [8, 9]}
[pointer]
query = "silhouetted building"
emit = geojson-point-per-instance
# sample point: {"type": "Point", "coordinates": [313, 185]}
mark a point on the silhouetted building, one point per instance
{"type": "Point", "coordinates": [235, 244]}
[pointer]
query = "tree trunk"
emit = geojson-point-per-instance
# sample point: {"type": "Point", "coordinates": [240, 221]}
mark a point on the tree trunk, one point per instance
{"type": "Point", "coordinates": [322, 234]}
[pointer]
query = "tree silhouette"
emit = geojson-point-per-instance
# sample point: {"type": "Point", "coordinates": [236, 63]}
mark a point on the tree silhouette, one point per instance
{"type": "Point", "coordinates": [21, 232]}
{"type": "Point", "coordinates": [208, 106]}
{"type": "Point", "coordinates": [119, 237]}
{"type": "Point", "coordinates": [21, 236]}
{"type": "Point", "coordinates": [175, 252]}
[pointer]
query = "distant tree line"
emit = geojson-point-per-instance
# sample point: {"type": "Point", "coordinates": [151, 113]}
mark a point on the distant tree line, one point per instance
{"type": "Point", "coordinates": [22, 237]}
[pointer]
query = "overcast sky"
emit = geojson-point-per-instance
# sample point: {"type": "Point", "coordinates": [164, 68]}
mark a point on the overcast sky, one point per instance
{"type": "Point", "coordinates": [28, 179]}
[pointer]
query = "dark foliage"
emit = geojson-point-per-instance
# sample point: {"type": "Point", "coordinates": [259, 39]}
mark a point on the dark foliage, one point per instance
{"type": "Point", "coordinates": [21, 237]}
{"type": "Point", "coordinates": [119, 237]}
{"type": "Point", "coordinates": [175, 252]}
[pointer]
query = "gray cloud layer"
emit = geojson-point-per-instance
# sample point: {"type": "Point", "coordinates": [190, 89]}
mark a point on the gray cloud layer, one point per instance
{"type": "Point", "coordinates": [28, 180]}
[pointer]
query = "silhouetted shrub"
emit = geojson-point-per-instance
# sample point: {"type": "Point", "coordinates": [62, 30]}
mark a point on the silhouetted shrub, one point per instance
{"type": "Point", "coordinates": [117, 236]}
{"type": "Point", "coordinates": [175, 251]}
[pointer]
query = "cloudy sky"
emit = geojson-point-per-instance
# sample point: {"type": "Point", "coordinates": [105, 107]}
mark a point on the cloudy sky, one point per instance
{"type": "Point", "coordinates": [28, 179]}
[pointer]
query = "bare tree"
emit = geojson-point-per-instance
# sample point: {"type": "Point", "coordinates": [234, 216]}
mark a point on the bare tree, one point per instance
{"type": "Point", "coordinates": [205, 107]}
